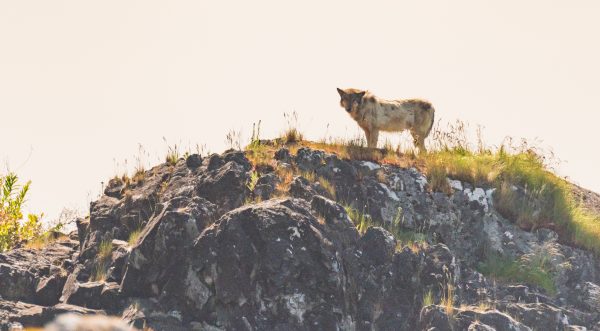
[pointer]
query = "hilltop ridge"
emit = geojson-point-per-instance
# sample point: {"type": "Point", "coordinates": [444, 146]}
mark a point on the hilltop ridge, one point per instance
{"type": "Point", "coordinates": [310, 236]}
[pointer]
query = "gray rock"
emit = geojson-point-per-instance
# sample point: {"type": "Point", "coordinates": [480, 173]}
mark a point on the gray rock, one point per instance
{"type": "Point", "coordinates": [22, 270]}
{"type": "Point", "coordinates": [193, 161]}
{"type": "Point", "coordinates": [434, 318]}
{"type": "Point", "coordinates": [32, 316]}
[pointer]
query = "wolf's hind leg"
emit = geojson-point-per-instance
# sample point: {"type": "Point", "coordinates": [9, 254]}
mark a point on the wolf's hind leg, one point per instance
{"type": "Point", "coordinates": [419, 142]}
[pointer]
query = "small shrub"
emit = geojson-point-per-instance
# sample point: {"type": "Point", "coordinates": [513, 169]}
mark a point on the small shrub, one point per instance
{"type": "Point", "coordinates": [13, 229]}
{"type": "Point", "coordinates": [251, 184]}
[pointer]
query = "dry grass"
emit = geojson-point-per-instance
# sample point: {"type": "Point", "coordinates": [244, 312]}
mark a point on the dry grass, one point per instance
{"type": "Point", "coordinates": [139, 176]}
{"type": "Point", "coordinates": [447, 300]}
{"type": "Point", "coordinates": [309, 175]}
{"type": "Point", "coordinates": [99, 273]}
{"type": "Point", "coordinates": [45, 240]}
{"type": "Point", "coordinates": [286, 175]}
{"type": "Point", "coordinates": [105, 250]}
{"type": "Point", "coordinates": [260, 155]}
{"type": "Point", "coordinates": [437, 177]}
{"type": "Point", "coordinates": [291, 135]}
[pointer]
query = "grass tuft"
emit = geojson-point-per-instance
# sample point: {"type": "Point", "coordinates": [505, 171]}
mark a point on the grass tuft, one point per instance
{"type": "Point", "coordinates": [103, 259]}
{"type": "Point", "coordinates": [361, 220]}
{"type": "Point", "coordinates": [428, 299]}
{"type": "Point", "coordinates": [291, 135]}
{"type": "Point", "coordinates": [173, 154]}
{"type": "Point", "coordinates": [447, 300]}
{"type": "Point", "coordinates": [134, 236]}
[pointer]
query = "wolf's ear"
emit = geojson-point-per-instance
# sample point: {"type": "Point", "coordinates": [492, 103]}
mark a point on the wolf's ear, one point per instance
{"type": "Point", "coordinates": [361, 94]}
{"type": "Point", "coordinates": [341, 92]}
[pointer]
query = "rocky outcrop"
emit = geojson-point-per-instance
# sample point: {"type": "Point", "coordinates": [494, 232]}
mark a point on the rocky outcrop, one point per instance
{"type": "Point", "coordinates": [187, 246]}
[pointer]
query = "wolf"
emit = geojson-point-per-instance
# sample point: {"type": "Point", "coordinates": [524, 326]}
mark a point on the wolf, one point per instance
{"type": "Point", "coordinates": [374, 114]}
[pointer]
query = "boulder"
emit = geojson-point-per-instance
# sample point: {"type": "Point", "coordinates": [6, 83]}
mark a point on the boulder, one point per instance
{"type": "Point", "coordinates": [267, 266]}
{"type": "Point", "coordinates": [26, 272]}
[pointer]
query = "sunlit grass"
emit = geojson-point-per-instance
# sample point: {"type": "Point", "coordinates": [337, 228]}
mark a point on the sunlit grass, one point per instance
{"type": "Point", "coordinates": [134, 236]}
{"type": "Point", "coordinates": [526, 190]}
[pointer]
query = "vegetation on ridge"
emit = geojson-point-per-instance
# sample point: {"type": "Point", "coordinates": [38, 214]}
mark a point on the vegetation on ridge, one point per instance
{"type": "Point", "coordinates": [525, 188]}
{"type": "Point", "coordinates": [13, 229]}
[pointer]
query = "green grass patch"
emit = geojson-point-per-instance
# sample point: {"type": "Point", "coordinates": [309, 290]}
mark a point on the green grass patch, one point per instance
{"type": "Point", "coordinates": [526, 191]}
{"type": "Point", "coordinates": [517, 271]}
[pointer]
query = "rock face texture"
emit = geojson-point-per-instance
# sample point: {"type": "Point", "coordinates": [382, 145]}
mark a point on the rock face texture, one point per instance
{"type": "Point", "coordinates": [188, 247]}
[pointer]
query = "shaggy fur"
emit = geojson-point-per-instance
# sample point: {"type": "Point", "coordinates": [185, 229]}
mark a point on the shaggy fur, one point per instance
{"type": "Point", "coordinates": [374, 114]}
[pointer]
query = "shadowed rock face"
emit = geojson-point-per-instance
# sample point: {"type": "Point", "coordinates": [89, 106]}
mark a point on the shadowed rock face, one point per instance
{"type": "Point", "coordinates": [205, 260]}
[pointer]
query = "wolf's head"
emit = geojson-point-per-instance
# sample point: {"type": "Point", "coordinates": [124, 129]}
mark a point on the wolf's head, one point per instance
{"type": "Point", "coordinates": [351, 99]}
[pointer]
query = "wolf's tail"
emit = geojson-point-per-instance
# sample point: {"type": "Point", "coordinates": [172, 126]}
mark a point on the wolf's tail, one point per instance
{"type": "Point", "coordinates": [432, 110]}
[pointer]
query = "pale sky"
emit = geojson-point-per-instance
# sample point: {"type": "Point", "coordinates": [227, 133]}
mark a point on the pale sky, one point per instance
{"type": "Point", "coordinates": [83, 83]}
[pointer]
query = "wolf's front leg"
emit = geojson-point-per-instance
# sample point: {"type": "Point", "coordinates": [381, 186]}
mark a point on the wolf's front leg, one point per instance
{"type": "Point", "coordinates": [372, 137]}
